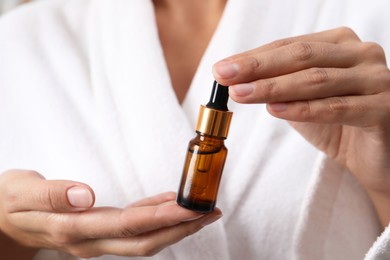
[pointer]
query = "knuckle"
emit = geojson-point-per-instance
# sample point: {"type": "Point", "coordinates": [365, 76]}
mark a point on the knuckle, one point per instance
{"type": "Point", "coordinates": [52, 198]}
{"type": "Point", "coordinates": [345, 30]}
{"type": "Point", "coordinates": [48, 198]}
{"type": "Point", "coordinates": [337, 105]}
{"type": "Point", "coordinates": [44, 198]}
{"type": "Point", "coordinates": [32, 172]}
{"type": "Point", "coordinates": [269, 90]}
{"type": "Point", "coordinates": [346, 33]}
{"type": "Point", "coordinates": [381, 75]}
{"type": "Point", "coordinates": [301, 50]}
{"type": "Point", "coordinates": [373, 50]}
{"type": "Point", "coordinates": [22, 174]}
{"type": "Point", "coordinates": [385, 74]}
{"type": "Point", "coordinates": [317, 75]}
{"type": "Point", "coordinates": [280, 43]}
{"type": "Point", "coordinates": [128, 232]}
{"type": "Point", "coordinates": [12, 189]}
{"type": "Point", "coordinates": [254, 64]}
{"type": "Point", "coordinates": [305, 111]}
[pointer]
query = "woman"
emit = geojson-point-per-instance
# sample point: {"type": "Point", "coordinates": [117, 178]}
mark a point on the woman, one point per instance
{"type": "Point", "coordinates": [87, 99]}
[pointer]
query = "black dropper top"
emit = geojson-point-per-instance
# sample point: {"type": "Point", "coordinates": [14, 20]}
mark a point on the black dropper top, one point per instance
{"type": "Point", "coordinates": [219, 97]}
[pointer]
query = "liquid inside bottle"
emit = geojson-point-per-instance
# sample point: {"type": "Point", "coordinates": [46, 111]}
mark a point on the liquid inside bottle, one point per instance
{"type": "Point", "coordinates": [202, 173]}
{"type": "Point", "coordinates": [206, 154]}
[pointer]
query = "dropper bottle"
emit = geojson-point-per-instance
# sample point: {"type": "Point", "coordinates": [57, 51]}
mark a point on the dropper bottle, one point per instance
{"type": "Point", "coordinates": [206, 154]}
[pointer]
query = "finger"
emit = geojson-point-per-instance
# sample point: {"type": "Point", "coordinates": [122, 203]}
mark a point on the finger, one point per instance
{"type": "Point", "coordinates": [362, 111]}
{"type": "Point", "coordinates": [227, 68]}
{"type": "Point", "coordinates": [334, 36]}
{"type": "Point", "coordinates": [28, 190]}
{"type": "Point", "coordinates": [132, 221]}
{"type": "Point", "coordinates": [104, 222]}
{"type": "Point", "coordinates": [146, 244]}
{"type": "Point", "coordinates": [155, 200]}
{"type": "Point", "coordinates": [287, 59]}
{"type": "Point", "coordinates": [313, 83]}
{"type": "Point", "coordinates": [338, 35]}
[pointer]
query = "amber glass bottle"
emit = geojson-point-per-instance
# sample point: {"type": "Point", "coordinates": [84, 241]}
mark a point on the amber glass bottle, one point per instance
{"type": "Point", "coordinates": [206, 154]}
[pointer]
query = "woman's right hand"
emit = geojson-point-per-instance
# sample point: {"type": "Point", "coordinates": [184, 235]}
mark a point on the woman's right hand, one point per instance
{"type": "Point", "coordinates": [59, 215]}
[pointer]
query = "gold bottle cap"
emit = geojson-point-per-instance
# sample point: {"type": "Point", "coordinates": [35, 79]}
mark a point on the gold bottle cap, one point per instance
{"type": "Point", "coordinates": [214, 122]}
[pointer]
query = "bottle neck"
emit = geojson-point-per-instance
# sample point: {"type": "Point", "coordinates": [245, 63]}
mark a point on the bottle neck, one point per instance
{"type": "Point", "coordinates": [213, 122]}
{"type": "Point", "coordinates": [215, 140]}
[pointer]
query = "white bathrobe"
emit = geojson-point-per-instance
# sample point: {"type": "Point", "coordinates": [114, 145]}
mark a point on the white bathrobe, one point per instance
{"type": "Point", "coordinates": [85, 95]}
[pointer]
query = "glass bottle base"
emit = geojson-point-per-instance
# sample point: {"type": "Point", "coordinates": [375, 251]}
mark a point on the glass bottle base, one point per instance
{"type": "Point", "coordinates": [203, 206]}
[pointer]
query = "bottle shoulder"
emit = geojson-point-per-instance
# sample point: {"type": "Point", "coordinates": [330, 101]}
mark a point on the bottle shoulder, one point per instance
{"type": "Point", "coordinates": [207, 144]}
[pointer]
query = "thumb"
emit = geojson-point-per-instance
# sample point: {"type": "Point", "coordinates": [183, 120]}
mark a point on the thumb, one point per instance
{"type": "Point", "coordinates": [29, 190]}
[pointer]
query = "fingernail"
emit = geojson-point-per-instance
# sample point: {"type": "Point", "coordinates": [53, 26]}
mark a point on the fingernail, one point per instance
{"type": "Point", "coordinates": [211, 219]}
{"type": "Point", "coordinates": [80, 197]}
{"type": "Point", "coordinates": [225, 69]}
{"type": "Point", "coordinates": [242, 90]}
{"type": "Point", "coordinates": [278, 107]}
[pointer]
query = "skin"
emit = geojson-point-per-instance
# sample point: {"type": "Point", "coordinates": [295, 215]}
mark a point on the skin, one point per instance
{"type": "Point", "coordinates": [335, 92]}
{"type": "Point", "coordinates": [42, 216]}
{"type": "Point", "coordinates": [185, 29]}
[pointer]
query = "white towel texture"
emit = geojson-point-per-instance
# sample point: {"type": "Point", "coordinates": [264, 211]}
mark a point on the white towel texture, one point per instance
{"type": "Point", "coordinates": [6, 5]}
{"type": "Point", "coordinates": [85, 95]}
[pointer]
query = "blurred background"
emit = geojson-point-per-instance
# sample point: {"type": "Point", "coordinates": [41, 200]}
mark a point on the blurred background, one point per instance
{"type": "Point", "coordinates": [6, 5]}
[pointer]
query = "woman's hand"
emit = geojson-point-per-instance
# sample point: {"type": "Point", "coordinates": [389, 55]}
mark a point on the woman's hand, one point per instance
{"type": "Point", "coordinates": [58, 215]}
{"type": "Point", "coordinates": [334, 89]}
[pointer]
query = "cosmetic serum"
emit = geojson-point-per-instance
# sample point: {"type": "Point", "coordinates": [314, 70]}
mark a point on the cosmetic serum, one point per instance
{"type": "Point", "coordinates": [206, 154]}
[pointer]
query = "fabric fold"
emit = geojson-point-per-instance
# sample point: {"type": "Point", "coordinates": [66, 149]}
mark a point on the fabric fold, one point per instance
{"type": "Point", "coordinates": [381, 248]}
{"type": "Point", "coordinates": [334, 215]}
{"type": "Point", "coordinates": [96, 104]}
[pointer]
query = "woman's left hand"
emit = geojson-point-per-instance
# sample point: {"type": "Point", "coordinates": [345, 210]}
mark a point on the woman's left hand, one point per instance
{"type": "Point", "coordinates": [334, 89]}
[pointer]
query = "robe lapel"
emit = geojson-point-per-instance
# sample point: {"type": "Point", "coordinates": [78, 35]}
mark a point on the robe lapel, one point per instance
{"type": "Point", "coordinates": [154, 129]}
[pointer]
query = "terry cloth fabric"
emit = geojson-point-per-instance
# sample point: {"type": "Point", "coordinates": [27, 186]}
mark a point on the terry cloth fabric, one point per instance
{"type": "Point", "coordinates": [381, 249]}
{"type": "Point", "coordinates": [7, 5]}
{"type": "Point", "coordinates": [85, 95]}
